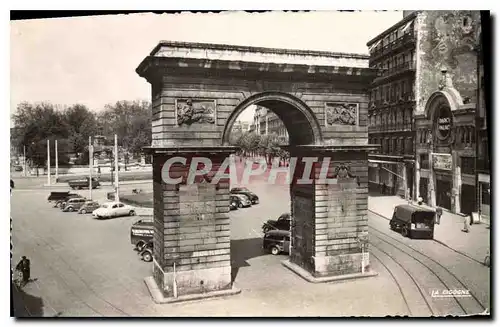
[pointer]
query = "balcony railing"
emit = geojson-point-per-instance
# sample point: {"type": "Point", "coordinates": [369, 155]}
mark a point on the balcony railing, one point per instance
{"type": "Point", "coordinates": [406, 66]}
{"type": "Point", "coordinates": [405, 39]}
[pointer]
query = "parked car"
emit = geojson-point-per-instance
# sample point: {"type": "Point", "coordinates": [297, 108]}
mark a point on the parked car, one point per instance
{"type": "Point", "coordinates": [56, 196]}
{"type": "Point", "coordinates": [18, 168]}
{"type": "Point", "coordinates": [113, 209]}
{"type": "Point", "coordinates": [413, 221]}
{"type": "Point", "coordinates": [88, 207]}
{"type": "Point", "coordinates": [243, 190]}
{"type": "Point", "coordinates": [74, 204]}
{"type": "Point", "coordinates": [147, 252]}
{"type": "Point", "coordinates": [276, 241]}
{"type": "Point", "coordinates": [141, 233]}
{"type": "Point", "coordinates": [84, 183]}
{"type": "Point", "coordinates": [241, 201]}
{"type": "Point", "coordinates": [62, 203]}
{"type": "Point", "coordinates": [282, 223]}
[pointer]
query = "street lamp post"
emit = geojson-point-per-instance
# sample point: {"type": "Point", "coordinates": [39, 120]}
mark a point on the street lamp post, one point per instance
{"type": "Point", "coordinates": [24, 163]}
{"type": "Point", "coordinates": [48, 162]}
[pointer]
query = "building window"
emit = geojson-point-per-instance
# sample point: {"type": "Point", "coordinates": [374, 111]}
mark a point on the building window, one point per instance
{"type": "Point", "coordinates": [424, 161]}
{"type": "Point", "coordinates": [467, 165]}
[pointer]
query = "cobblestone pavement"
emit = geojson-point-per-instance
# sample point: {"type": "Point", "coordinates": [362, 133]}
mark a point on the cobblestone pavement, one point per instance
{"type": "Point", "coordinates": [85, 267]}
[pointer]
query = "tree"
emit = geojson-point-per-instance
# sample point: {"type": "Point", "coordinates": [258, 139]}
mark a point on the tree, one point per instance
{"type": "Point", "coordinates": [82, 123]}
{"type": "Point", "coordinates": [130, 121]}
{"type": "Point", "coordinates": [35, 124]}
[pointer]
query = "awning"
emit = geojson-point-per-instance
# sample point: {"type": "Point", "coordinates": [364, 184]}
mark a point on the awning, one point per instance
{"type": "Point", "coordinates": [382, 162]}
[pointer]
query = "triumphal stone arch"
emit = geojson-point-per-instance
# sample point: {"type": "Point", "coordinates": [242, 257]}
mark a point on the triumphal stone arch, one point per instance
{"type": "Point", "coordinates": [197, 91]}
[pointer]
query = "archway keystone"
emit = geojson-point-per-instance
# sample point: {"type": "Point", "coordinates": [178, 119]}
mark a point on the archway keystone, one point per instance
{"type": "Point", "coordinates": [198, 90]}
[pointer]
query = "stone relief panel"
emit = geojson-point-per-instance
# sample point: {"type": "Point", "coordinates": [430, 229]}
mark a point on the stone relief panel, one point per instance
{"type": "Point", "coordinates": [195, 111]}
{"type": "Point", "coordinates": [337, 113]}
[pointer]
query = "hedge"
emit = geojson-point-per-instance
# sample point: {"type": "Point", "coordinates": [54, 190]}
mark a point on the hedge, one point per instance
{"type": "Point", "coordinates": [140, 199]}
{"type": "Point", "coordinates": [128, 176]}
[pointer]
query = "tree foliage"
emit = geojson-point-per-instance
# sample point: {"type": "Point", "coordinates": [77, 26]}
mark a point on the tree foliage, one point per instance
{"type": "Point", "coordinates": [35, 123]}
{"type": "Point", "coordinates": [252, 144]}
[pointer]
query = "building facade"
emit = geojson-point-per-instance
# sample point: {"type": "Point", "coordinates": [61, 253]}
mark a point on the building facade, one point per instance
{"type": "Point", "coordinates": [266, 122]}
{"type": "Point", "coordinates": [447, 130]}
{"type": "Point", "coordinates": [390, 114]}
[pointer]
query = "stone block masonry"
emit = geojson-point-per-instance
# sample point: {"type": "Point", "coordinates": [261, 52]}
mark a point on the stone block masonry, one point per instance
{"type": "Point", "coordinates": [329, 219]}
{"type": "Point", "coordinates": [191, 230]}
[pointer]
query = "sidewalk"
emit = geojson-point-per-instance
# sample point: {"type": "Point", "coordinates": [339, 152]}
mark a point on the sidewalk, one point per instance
{"type": "Point", "coordinates": [474, 244]}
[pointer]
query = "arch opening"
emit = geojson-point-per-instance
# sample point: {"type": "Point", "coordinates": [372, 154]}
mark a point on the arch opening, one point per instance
{"type": "Point", "coordinates": [299, 120]}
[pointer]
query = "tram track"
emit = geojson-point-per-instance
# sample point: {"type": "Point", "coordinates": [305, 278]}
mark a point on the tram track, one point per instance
{"type": "Point", "coordinates": [469, 305]}
{"type": "Point", "coordinates": [415, 311]}
{"type": "Point", "coordinates": [457, 252]}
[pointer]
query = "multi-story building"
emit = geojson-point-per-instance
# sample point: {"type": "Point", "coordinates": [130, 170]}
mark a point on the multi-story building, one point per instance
{"type": "Point", "coordinates": [267, 122]}
{"type": "Point", "coordinates": [390, 112]}
{"type": "Point", "coordinates": [241, 126]}
{"type": "Point", "coordinates": [483, 162]}
{"type": "Point", "coordinates": [430, 66]}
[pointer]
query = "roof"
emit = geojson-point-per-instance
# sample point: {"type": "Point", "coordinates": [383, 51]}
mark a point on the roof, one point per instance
{"type": "Point", "coordinates": [279, 232]}
{"type": "Point", "coordinates": [403, 21]}
{"type": "Point", "coordinates": [413, 208]}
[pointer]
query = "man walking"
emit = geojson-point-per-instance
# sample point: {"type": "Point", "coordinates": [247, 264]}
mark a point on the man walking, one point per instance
{"type": "Point", "coordinates": [24, 267]}
{"type": "Point", "coordinates": [439, 212]}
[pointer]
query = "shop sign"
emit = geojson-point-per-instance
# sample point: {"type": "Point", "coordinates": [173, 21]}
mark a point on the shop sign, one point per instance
{"type": "Point", "coordinates": [444, 122]}
{"type": "Point", "coordinates": [441, 161]}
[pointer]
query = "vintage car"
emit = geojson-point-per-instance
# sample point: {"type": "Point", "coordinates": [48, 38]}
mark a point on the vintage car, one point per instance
{"type": "Point", "coordinates": [147, 252]}
{"type": "Point", "coordinates": [413, 221]}
{"type": "Point", "coordinates": [84, 183]}
{"type": "Point", "coordinates": [141, 233]}
{"type": "Point", "coordinates": [241, 201]}
{"type": "Point", "coordinates": [74, 204]}
{"type": "Point", "coordinates": [282, 223]}
{"type": "Point", "coordinates": [277, 241]}
{"type": "Point", "coordinates": [113, 209]}
{"type": "Point", "coordinates": [243, 190]}
{"type": "Point", "coordinates": [62, 202]}
{"type": "Point", "coordinates": [88, 207]}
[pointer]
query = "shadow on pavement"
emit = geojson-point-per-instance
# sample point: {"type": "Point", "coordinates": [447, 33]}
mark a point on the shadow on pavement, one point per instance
{"type": "Point", "coordinates": [24, 305]}
{"type": "Point", "coordinates": [243, 250]}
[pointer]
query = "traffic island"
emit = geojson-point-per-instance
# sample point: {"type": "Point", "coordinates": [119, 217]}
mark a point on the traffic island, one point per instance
{"type": "Point", "coordinates": [159, 298]}
{"type": "Point", "coordinates": [324, 279]}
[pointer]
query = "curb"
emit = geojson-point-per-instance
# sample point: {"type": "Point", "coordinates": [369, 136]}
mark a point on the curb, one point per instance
{"type": "Point", "coordinates": [158, 297]}
{"type": "Point", "coordinates": [311, 279]}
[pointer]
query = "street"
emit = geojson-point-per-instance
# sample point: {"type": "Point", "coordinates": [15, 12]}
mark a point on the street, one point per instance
{"type": "Point", "coordinates": [86, 267]}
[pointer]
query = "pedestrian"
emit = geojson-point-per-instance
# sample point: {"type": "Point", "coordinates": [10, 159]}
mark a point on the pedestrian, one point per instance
{"type": "Point", "coordinates": [420, 200]}
{"type": "Point", "coordinates": [11, 185]}
{"type": "Point", "coordinates": [439, 213]}
{"type": "Point", "coordinates": [24, 267]}
{"type": "Point", "coordinates": [383, 188]}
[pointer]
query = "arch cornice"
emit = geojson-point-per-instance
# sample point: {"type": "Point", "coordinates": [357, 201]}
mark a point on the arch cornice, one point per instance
{"type": "Point", "coordinates": [280, 97]}
{"type": "Point", "coordinates": [451, 95]}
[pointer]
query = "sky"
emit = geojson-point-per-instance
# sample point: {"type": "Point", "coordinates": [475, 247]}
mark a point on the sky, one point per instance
{"type": "Point", "coordinates": [92, 60]}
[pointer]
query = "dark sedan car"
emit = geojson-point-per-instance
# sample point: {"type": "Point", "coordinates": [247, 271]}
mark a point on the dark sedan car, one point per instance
{"type": "Point", "coordinates": [277, 241]}
{"type": "Point", "coordinates": [282, 223]}
{"type": "Point", "coordinates": [243, 190]}
{"type": "Point", "coordinates": [62, 202]}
